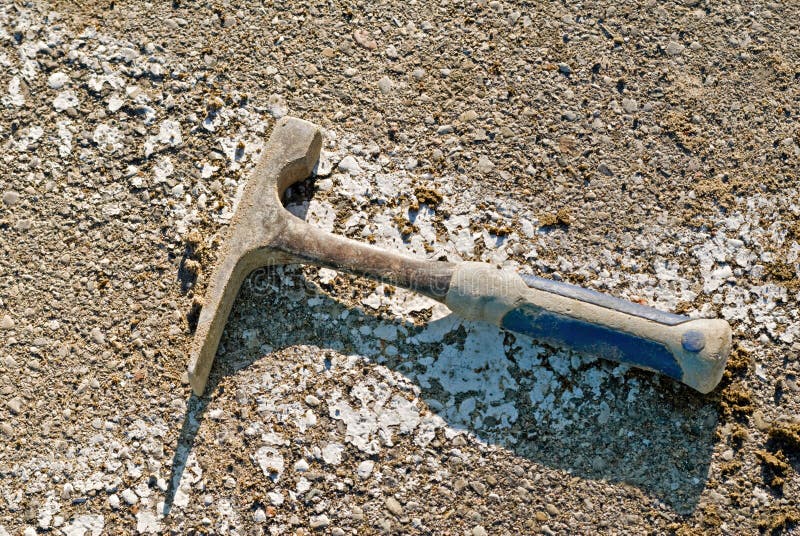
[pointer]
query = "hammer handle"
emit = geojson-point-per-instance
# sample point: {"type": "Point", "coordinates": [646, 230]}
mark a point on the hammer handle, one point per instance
{"type": "Point", "coordinates": [311, 245]}
{"type": "Point", "coordinates": [691, 351]}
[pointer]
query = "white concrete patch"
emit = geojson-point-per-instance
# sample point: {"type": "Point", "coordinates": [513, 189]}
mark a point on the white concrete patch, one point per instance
{"type": "Point", "coordinates": [85, 525]}
{"type": "Point", "coordinates": [271, 462]}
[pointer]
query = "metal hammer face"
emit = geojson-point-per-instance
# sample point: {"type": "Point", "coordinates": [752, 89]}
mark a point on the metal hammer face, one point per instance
{"type": "Point", "coordinates": [263, 233]}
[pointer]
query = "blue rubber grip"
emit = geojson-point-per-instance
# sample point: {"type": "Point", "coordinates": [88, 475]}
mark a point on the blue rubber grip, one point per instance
{"type": "Point", "coordinates": [563, 331]}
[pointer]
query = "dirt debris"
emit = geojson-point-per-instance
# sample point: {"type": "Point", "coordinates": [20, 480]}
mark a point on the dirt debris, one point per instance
{"type": "Point", "coordinates": [561, 217]}
{"type": "Point", "coordinates": [776, 465]}
{"type": "Point", "coordinates": [429, 196]}
{"type": "Point", "coordinates": [780, 522]}
{"type": "Point", "coordinates": [786, 437]}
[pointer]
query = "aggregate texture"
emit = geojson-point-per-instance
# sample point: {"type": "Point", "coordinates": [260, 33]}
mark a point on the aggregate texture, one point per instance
{"type": "Point", "coordinates": [644, 149]}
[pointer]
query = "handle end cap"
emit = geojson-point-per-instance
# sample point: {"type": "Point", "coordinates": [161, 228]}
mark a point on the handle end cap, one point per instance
{"type": "Point", "coordinates": [704, 349]}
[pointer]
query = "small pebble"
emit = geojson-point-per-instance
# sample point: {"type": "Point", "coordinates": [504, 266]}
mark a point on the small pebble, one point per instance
{"type": "Point", "coordinates": [674, 48]}
{"type": "Point", "coordinates": [6, 322]}
{"type": "Point", "coordinates": [364, 469]}
{"type": "Point", "coordinates": [57, 80]}
{"type": "Point", "coordinates": [129, 496]}
{"type": "Point", "coordinates": [349, 165]}
{"type": "Point", "coordinates": [10, 198]}
{"type": "Point", "coordinates": [277, 106]}
{"type": "Point", "coordinates": [97, 336]}
{"type": "Point", "coordinates": [479, 531]}
{"type": "Point", "coordinates": [319, 522]}
{"type": "Point", "coordinates": [301, 465]}
{"type": "Point", "coordinates": [605, 170]}
{"type": "Point", "coordinates": [385, 85]}
{"type": "Point", "coordinates": [478, 487]}
{"type": "Point", "coordinates": [364, 40]}
{"type": "Point", "coordinates": [15, 405]}
{"type": "Point", "coordinates": [760, 422]}
{"type": "Point", "coordinates": [394, 506]}
{"type": "Point", "coordinates": [332, 453]}
{"type": "Point", "coordinates": [228, 21]}
{"type": "Point", "coordinates": [469, 115]}
{"type": "Point", "coordinates": [630, 106]}
{"type": "Point", "coordinates": [485, 165]}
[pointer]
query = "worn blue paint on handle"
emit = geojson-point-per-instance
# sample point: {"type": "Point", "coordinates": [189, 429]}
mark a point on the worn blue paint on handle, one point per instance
{"type": "Point", "coordinates": [561, 330]}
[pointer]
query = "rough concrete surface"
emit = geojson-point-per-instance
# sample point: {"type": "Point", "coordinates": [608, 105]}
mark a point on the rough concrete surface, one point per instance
{"type": "Point", "coordinates": [648, 150]}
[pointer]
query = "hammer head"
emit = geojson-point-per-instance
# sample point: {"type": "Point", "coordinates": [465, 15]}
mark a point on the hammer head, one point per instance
{"type": "Point", "coordinates": [290, 156]}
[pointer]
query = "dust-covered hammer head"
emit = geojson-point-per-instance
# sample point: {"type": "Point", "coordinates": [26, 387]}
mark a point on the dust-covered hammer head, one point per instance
{"type": "Point", "coordinates": [290, 155]}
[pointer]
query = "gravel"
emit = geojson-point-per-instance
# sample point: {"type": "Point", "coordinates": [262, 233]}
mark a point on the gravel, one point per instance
{"type": "Point", "coordinates": [644, 151]}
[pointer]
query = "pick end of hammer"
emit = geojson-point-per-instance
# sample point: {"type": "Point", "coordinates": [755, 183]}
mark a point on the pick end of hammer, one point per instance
{"type": "Point", "coordinates": [198, 373]}
{"type": "Point", "coordinates": [224, 285]}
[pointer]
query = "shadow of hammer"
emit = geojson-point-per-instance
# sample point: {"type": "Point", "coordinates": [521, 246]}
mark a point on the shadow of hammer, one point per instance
{"type": "Point", "coordinates": [263, 233]}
